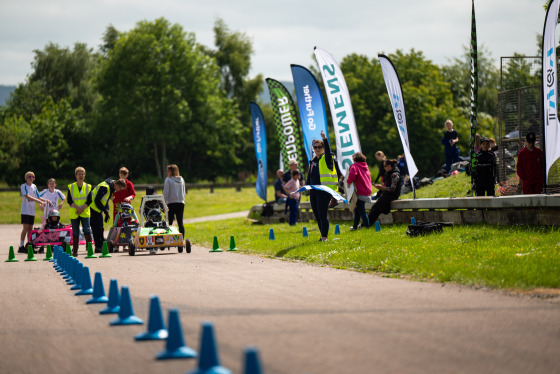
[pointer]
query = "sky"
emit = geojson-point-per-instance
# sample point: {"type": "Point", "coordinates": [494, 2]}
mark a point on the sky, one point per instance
{"type": "Point", "coordinates": [282, 32]}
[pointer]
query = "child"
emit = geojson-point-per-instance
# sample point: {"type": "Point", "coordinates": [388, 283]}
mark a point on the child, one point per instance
{"type": "Point", "coordinates": [485, 179]}
{"type": "Point", "coordinates": [127, 216]}
{"type": "Point", "coordinates": [29, 196]}
{"type": "Point", "coordinates": [123, 196]}
{"type": "Point", "coordinates": [293, 197]}
{"type": "Point", "coordinates": [53, 195]}
{"type": "Point", "coordinates": [360, 176]}
{"type": "Point", "coordinates": [449, 140]}
{"type": "Point", "coordinates": [53, 220]}
{"type": "Point", "coordinates": [152, 204]}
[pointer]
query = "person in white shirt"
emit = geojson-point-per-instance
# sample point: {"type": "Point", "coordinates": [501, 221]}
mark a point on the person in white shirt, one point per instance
{"type": "Point", "coordinates": [55, 196]}
{"type": "Point", "coordinates": [29, 196]}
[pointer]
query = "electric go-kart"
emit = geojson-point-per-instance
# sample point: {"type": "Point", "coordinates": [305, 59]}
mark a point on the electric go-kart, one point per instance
{"type": "Point", "coordinates": [153, 232]}
{"type": "Point", "coordinates": [123, 231]}
{"type": "Point", "coordinates": [52, 233]}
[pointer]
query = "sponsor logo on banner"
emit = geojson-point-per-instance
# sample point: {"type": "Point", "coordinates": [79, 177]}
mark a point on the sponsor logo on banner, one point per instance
{"type": "Point", "coordinates": [141, 240]}
{"type": "Point", "coordinates": [149, 240]}
{"type": "Point", "coordinates": [159, 239]}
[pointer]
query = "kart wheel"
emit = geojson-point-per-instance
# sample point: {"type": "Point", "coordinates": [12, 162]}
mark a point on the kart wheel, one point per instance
{"type": "Point", "coordinates": [110, 246]}
{"type": "Point", "coordinates": [131, 249]}
{"type": "Point", "coordinates": [188, 245]}
{"type": "Point", "coordinates": [180, 249]}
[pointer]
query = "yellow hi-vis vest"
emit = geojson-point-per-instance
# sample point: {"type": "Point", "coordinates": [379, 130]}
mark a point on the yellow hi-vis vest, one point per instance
{"type": "Point", "coordinates": [79, 198]}
{"type": "Point", "coordinates": [104, 199]}
{"type": "Point", "coordinates": [328, 177]}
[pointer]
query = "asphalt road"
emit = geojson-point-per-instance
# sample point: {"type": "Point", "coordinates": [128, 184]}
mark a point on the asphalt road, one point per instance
{"type": "Point", "coordinates": [303, 319]}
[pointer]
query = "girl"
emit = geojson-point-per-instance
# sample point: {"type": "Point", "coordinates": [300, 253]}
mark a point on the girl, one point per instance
{"type": "Point", "coordinates": [293, 197]}
{"type": "Point", "coordinates": [29, 196]}
{"type": "Point", "coordinates": [53, 195]}
{"type": "Point", "coordinates": [360, 176]}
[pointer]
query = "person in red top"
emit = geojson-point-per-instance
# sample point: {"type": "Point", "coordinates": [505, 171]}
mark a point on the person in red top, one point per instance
{"type": "Point", "coordinates": [360, 176]}
{"type": "Point", "coordinates": [530, 166]}
{"type": "Point", "coordinates": [125, 195]}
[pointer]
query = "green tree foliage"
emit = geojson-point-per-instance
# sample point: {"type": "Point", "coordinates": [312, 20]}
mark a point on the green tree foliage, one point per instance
{"type": "Point", "coordinates": [162, 103]}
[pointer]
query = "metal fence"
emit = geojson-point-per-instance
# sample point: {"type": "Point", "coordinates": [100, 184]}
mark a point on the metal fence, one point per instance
{"type": "Point", "coordinates": [519, 111]}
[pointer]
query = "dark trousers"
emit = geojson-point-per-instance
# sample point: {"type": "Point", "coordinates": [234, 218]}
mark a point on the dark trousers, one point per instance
{"type": "Point", "coordinates": [382, 205]}
{"type": "Point", "coordinates": [176, 211]}
{"type": "Point", "coordinates": [96, 222]}
{"type": "Point", "coordinates": [485, 190]}
{"type": "Point", "coordinates": [451, 157]}
{"type": "Point", "coordinates": [360, 212]}
{"type": "Point", "coordinates": [320, 205]}
{"type": "Point", "coordinates": [293, 205]}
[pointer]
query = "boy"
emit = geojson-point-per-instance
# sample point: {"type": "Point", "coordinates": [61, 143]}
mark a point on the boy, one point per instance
{"type": "Point", "coordinates": [530, 166]}
{"type": "Point", "coordinates": [29, 196]}
{"type": "Point", "coordinates": [449, 140]}
{"type": "Point", "coordinates": [79, 199]}
{"type": "Point", "coordinates": [124, 196]}
{"type": "Point", "coordinates": [486, 175]}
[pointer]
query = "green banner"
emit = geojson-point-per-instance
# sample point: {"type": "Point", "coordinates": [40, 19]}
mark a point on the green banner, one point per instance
{"type": "Point", "coordinates": [286, 121]}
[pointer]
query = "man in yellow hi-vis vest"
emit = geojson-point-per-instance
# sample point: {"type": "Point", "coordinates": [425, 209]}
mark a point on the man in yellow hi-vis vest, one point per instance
{"type": "Point", "coordinates": [100, 204]}
{"type": "Point", "coordinates": [79, 199]}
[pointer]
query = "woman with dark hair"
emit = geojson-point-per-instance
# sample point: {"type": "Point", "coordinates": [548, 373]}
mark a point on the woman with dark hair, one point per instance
{"type": "Point", "coordinates": [174, 195]}
{"type": "Point", "coordinates": [390, 190]}
{"type": "Point", "coordinates": [322, 172]}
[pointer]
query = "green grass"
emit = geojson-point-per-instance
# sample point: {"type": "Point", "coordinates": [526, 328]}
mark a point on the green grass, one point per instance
{"type": "Point", "coordinates": [454, 186]}
{"type": "Point", "coordinates": [478, 255]}
{"type": "Point", "coordinates": [198, 203]}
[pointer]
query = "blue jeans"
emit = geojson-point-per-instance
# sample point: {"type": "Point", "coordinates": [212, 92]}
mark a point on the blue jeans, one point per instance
{"type": "Point", "coordinates": [360, 212]}
{"type": "Point", "coordinates": [76, 226]}
{"type": "Point", "coordinates": [293, 205]}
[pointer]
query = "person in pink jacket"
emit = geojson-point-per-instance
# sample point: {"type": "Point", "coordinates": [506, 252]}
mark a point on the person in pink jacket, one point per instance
{"type": "Point", "coordinates": [359, 175]}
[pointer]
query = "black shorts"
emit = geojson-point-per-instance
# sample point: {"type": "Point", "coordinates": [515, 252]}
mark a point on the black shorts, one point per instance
{"type": "Point", "coordinates": [27, 219]}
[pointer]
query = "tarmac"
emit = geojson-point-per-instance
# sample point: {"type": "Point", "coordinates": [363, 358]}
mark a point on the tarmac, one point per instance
{"type": "Point", "coordinates": [302, 318]}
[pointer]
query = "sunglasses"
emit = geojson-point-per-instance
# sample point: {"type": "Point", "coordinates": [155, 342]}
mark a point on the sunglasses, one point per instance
{"type": "Point", "coordinates": [317, 147]}
{"type": "Point", "coordinates": [30, 177]}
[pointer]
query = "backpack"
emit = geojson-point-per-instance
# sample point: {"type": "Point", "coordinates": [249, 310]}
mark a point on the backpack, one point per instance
{"type": "Point", "coordinates": [268, 209]}
{"type": "Point", "coordinates": [422, 228]}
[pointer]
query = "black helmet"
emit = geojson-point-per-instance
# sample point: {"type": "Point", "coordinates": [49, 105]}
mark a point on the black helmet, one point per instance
{"type": "Point", "coordinates": [54, 217]}
{"type": "Point", "coordinates": [126, 210]}
{"type": "Point", "coordinates": [154, 215]}
{"type": "Point", "coordinates": [150, 190]}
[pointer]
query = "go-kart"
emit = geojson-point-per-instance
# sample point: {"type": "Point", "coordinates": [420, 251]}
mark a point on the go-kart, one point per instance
{"type": "Point", "coordinates": [61, 236]}
{"type": "Point", "coordinates": [123, 235]}
{"type": "Point", "coordinates": [154, 233]}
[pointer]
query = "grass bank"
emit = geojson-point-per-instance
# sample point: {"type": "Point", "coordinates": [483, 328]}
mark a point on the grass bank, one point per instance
{"type": "Point", "coordinates": [489, 256]}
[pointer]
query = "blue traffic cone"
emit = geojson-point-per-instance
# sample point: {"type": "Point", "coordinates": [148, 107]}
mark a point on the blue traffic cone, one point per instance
{"type": "Point", "coordinates": [208, 362]}
{"type": "Point", "coordinates": [114, 299]}
{"type": "Point", "coordinates": [337, 229]}
{"type": "Point", "coordinates": [413, 221]}
{"type": "Point", "coordinates": [305, 234]}
{"type": "Point", "coordinates": [252, 362]}
{"type": "Point", "coordinates": [156, 327]}
{"type": "Point", "coordinates": [77, 277]}
{"type": "Point", "coordinates": [175, 346]}
{"type": "Point", "coordinates": [126, 313]}
{"type": "Point", "coordinates": [271, 234]}
{"type": "Point", "coordinates": [71, 276]}
{"type": "Point", "coordinates": [377, 226]}
{"type": "Point", "coordinates": [98, 296]}
{"type": "Point", "coordinates": [61, 262]}
{"type": "Point", "coordinates": [87, 288]}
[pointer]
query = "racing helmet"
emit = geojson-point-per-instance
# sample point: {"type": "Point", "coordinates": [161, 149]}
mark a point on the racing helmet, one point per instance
{"type": "Point", "coordinates": [53, 217]}
{"type": "Point", "coordinates": [126, 210]}
{"type": "Point", "coordinates": [154, 215]}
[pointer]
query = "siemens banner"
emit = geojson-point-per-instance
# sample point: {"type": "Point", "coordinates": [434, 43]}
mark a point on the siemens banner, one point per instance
{"type": "Point", "coordinates": [347, 141]}
{"type": "Point", "coordinates": [259, 137]}
{"type": "Point", "coordinates": [550, 88]}
{"type": "Point", "coordinates": [286, 121]}
{"type": "Point", "coordinates": [311, 107]}
{"type": "Point", "coordinates": [393, 84]}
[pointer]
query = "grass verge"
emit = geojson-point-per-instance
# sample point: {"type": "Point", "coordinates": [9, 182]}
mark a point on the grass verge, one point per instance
{"type": "Point", "coordinates": [512, 258]}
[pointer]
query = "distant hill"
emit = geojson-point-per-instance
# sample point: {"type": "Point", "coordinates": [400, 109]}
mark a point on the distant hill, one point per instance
{"type": "Point", "coordinates": [5, 92]}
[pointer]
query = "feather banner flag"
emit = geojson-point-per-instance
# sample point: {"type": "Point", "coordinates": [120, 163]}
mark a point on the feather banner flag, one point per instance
{"type": "Point", "coordinates": [394, 89]}
{"type": "Point", "coordinates": [474, 97]}
{"type": "Point", "coordinates": [345, 131]}
{"type": "Point", "coordinates": [550, 88]}
{"type": "Point", "coordinates": [259, 137]}
{"type": "Point", "coordinates": [286, 121]}
{"type": "Point", "coordinates": [311, 107]}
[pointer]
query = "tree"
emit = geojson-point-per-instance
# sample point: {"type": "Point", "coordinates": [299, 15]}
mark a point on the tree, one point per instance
{"type": "Point", "coordinates": [161, 101]}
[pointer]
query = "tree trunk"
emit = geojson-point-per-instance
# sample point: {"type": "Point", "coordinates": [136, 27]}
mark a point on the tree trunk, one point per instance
{"type": "Point", "coordinates": [164, 162]}
{"type": "Point", "coordinates": [156, 160]}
